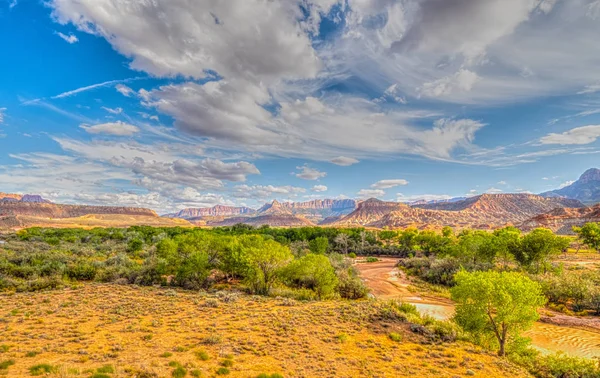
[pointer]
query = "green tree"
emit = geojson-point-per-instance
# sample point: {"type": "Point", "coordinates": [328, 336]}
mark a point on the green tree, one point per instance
{"type": "Point", "coordinates": [536, 248]}
{"type": "Point", "coordinates": [500, 305]}
{"type": "Point", "coordinates": [342, 240]}
{"type": "Point", "coordinates": [432, 243]}
{"type": "Point", "coordinates": [319, 245]}
{"type": "Point", "coordinates": [313, 272]}
{"type": "Point", "coordinates": [265, 260]}
{"type": "Point", "coordinates": [589, 235]}
{"type": "Point", "coordinates": [505, 241]}
{"type": "Point", "coordinates": [407, 240]}
{"type": "Point", "coordinates": [387, 236]}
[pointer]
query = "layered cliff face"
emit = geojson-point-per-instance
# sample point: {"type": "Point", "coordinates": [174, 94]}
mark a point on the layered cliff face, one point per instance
{"type": "Point", "coordinates": [370, 211]}
{"type": "Point", "coordinates": [215, 211]}
{"type": "Point", "coordinates": [586, 189]}
{"type": "Point", "coordinates": [50, 210]}
{"type": "Point", "coordinates": [315, 210]}
{"type": "Point", "coordinates": [562, 221]}
{"type": "Point", "coordinates": [481, 212]}
{"type": "Point", "coordinates": [274, 214]}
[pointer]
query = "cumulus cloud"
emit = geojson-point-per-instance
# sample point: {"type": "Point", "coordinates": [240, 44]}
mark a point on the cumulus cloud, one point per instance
{"type": "Point", "coordinates": [565, 184]}
{"type": "Point", "coordinates": [124, 90]}
{"type": "Point", "coordinates": [578, 135]}
{"type": "Point", "coordinates": [370, 193]}
{"type": "Point", "coordinates": [70, 39]}
{"type": "Point", "coordinates": [344, 161]}
{"type": "Point", "coordinates": [387, 184]}
{"type": "Point", "coordinates": [307, 173]}
{"type": "Point", "coordinates": [319, 188]}
{"type": "Point", "coordinates": [269, 42]}
{"type": "Point", "coordinates": [112, 128]}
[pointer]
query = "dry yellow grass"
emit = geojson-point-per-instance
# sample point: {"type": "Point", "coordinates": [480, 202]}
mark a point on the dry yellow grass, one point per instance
{"type": "Point", "coordinates": [102, 220]}
{"type": "Point", "coordinates": [135, 329]}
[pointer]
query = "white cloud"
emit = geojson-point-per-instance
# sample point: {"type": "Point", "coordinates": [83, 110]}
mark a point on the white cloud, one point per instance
{"type": "Point", "coordinates": [12, 4]}
{"type": "Point", "coordinates": [565, 184]}
{"type": "Point", "coordinates": [502, 182]}
{"type": "Point", "coordinates": [269, 41]}
{"type": "Point", "coordinates": [70, 39]}
{"type": "Point", "coordinates": [462, 81]}
{"type": "Point", "coordinates": [578, 135]}
{"type": "Point", "coordinates": [113, 128]}
{"type": "Point", "coordinates": [422, 197]}
{"type": "Point", "coordinates": [124, 90]}
{"type": "Point", "coordinates": [494, 190]}
{"type": "Point", "coordinates": [2, 111]}
{"type": "Point", "coordinates": [370, 193]}
{"type": "Point", "coordinates": [266, 191]}
{"type": "Point", "coordinates": [592, 88]}
{"type": "Point", "coordinates": [319, 188]}
{"type": "Point", "coordinates": [387, 184]}
{"type": "Point", "coordinates": [307, 173]}
{"type": "Point", "coordinates": [113, 111]}
{"type": "Point", "coordinates": [344, 161]}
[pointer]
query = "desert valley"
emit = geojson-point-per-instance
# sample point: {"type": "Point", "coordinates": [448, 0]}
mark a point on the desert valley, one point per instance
{"type": "Point", "coordinates": [558, 210]}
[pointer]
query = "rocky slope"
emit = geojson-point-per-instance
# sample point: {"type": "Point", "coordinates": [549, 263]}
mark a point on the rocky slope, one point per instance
{"type": "Point", "coordinates": [273, 214]}
{"type": "Point", "coordinates": [586, 189]}
{"type": "Point", "coordinates": [215, 211]}
{"type": "Point", "coordinates": [482, 212]}
{"type": "Point", "coordinates": [315, 210]}
{"type": "Point", "coordinates": [28, 198]}
{"type": "Point", "coordinates": [562, 221]}
{"type": "Point", "coordinates": [50, 210]}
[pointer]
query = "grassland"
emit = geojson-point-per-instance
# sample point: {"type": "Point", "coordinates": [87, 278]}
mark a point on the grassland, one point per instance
{"type": "Point", "coordinates": [107, 330]}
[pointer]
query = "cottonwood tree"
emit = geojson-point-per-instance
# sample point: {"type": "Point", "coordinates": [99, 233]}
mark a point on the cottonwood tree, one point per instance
{"type": "Point", "coordinates": [589, 234]}
{"type": "Point", "coordinates": [535, 249]}
{"type": "Point", "coordinates": [496, 304]}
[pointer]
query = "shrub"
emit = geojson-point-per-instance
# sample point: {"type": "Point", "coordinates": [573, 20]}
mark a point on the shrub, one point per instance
{"type": "Point", "coordinates": [106, 369]}
{"type": "Point", "coordinates": [372, 259]}
{"type": "Point", "coordinates": [41, 369]}
{"type": "Point", "coordinates": [223, 371]}
{"type": "Point", "coordinates": [5, 364]}
{"type": "Point", "coordinates": [395, 337]}
{"type": "Point", "coordinates": [313, 272]}
{"type": "Point", "coordinates": [559, 366]}
{"type": "Point", "coordinates": [202, 355]}
{"type": "Point", "coordinates": [179, 372]}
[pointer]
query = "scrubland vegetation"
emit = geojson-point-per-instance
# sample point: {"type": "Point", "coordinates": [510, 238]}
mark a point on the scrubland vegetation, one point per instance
{"type": "Point", "coordinates": [499, 281]}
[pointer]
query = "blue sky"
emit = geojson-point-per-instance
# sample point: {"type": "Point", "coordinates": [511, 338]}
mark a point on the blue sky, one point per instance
{"type": "Point", "coordinates": [167, 105]}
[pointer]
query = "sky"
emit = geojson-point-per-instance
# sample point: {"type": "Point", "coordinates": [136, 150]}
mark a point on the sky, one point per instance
{"type": "Point", "coordinates": [170, 104]}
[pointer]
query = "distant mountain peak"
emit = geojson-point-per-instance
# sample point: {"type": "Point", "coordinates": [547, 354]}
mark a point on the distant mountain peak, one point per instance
{"type": "Point", "coordinates": [592, 174]}
{"type": "Point", "coordinates": [586, 189]}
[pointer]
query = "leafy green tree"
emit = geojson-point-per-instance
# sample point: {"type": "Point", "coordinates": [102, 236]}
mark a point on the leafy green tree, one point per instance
{"type": "Point", "coordinates": [313, 272]}
{"type": "Point", "coordinates": [473, 246]}
{"type": "Point", "coordinates": [265, 259]}
{"type": "Point", "coordinates": [135, 245]}
{"type": "Point", "coordinates": [432, 243]}
{"type": "Point", "coordinates": [447, 232]}
{"type": "Point", "coordinates": [499, 305]}
{"type": "Point", "coordinates": [505, 241]}
{"type": "Point", "coordinates": [589, 234]}
{"type": "Point", "coordinates": [387, 236]}
{"type": "Point", "coordinates": [407, 240]}
{"type": "Point", "coordinates": [536, 248]}
{"type": "Point", "coordinates": [319, 245]}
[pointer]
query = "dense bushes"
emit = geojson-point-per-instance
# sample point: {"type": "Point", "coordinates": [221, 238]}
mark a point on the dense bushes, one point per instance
{"type": "Point", "coordinates": [37, 259]}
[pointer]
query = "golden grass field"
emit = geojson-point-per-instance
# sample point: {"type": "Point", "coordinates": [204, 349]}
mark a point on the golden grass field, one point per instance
{"type": "Point", "coordinates": [150, 332]}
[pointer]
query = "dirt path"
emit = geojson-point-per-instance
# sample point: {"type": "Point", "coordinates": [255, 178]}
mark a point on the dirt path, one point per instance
{"type": "Point", "coordinates": [387, 282]}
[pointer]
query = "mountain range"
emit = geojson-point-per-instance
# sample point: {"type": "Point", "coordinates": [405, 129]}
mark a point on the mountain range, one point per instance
{"type": "Point", "coordinates": [558, 209]}
{"type": "Point", "coordinates": [586, 189]}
